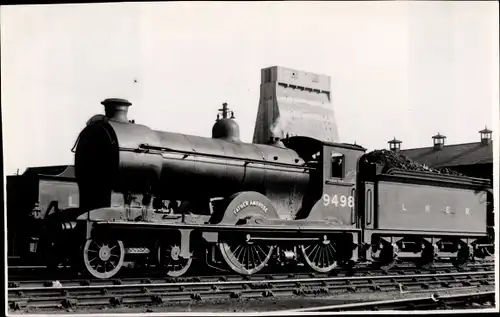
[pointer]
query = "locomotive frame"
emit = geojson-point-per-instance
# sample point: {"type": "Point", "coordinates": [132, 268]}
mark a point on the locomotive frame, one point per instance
{"type": "Point", "coordinates": [266, 226]}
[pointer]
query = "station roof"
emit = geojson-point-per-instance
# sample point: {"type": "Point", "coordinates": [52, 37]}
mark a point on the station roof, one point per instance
{"type": "Point", "coordinates": [453, 155]}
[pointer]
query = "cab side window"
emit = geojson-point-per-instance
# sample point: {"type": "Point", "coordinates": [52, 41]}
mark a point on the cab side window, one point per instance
{"type": "Point", "coordinates": [337, 166]}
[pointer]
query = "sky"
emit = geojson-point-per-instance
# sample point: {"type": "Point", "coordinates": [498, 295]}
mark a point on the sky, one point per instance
{"type": "Point", "coordinates": [398, 69]}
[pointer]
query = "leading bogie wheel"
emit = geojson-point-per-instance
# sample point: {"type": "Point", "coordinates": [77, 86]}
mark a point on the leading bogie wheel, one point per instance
{"type": "Point", "coordinates": [103, 259]}
{"type": "Point", "coordinates": [168, 256]}
{"type": "Point", "coordinates": [322, 256]}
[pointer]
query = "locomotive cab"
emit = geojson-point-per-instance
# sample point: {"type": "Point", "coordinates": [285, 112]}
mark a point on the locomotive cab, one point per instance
{"type": "Point", "coordinates": [335, 178]}
{"type": "Point", "coordinates": [338, 200]}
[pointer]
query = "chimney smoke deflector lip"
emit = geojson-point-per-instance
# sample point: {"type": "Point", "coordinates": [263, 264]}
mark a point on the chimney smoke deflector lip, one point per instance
{"type": "Point", "coordinates": [116, 109]}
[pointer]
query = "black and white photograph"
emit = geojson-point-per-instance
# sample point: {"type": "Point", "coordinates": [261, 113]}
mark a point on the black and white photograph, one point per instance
{"type": "Point", "coordinates": [263, 158]}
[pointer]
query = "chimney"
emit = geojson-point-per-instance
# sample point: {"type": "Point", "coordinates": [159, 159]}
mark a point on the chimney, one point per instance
{"type": "Point", "coordinates": [394, 145]}
{"type": "Point", "coordinates": [438, 141]}
{"type": "Point", "coordinates": [485, 136]}
{"type": "Point", "coordinates": [116, 109]}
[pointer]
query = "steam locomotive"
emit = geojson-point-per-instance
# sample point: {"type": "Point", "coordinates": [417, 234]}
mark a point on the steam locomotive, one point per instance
{"type": "Point", "coordinates": [176, 201]}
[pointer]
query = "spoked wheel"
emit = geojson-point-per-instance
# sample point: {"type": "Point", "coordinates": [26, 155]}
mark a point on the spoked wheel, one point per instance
{"type": "Point", "coordinates": [489, 250]}
{"type": "Point", "coordinates": [170, 261]}
{"type": "Point", "coordinates": [321, 257]}
{"type": "Point", "coordinates": [464, 254]}
{"type": "Point", "coordinates": [241, 253]}
{"type": "Point", "coordinates": [103, 259]}
{"type": "Point", "coordinates": [246, 258]}
{"type": "Point", "coordinates": [428, 257]}
{"type": "Point", "coordinates": [388, 256]}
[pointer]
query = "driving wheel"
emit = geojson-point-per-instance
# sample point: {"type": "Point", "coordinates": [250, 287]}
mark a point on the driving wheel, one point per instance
{"type": "Point", "coordinates": [322, 256]}
{"type": "Point", "coordinates": [103, 259]}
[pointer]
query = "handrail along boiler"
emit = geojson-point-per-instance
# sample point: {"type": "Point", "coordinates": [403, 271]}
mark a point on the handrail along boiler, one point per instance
{"type": "Point", "coordinates": [248, 206]}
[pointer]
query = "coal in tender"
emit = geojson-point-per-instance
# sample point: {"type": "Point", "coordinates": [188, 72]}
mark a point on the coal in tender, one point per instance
{"type": "Point", "coordinates": [391, 159]}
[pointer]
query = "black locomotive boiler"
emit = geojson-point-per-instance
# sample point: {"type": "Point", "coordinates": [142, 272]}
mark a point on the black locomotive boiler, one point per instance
{"type": "Point", "coordinates": [253, 206]}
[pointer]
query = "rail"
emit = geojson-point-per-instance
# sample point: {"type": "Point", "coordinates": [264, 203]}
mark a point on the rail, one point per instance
{"type": "Point", "coordinates": [415, 303]}
{"type": "Point", "coordinates": [115, 295]}
{"type": "Point", "coordinates": [40, 276]}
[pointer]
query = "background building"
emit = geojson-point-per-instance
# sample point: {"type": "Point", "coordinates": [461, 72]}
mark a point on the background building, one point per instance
{"type": "Point", "coordinates": [471, 159]}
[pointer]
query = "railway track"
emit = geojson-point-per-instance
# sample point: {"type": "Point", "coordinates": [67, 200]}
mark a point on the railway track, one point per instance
{"type": "Point", "coordinates": [158, 293]}
{"type": "Point", "coordinates": [434, 301]}
{"type": "Point", "coordinates": [155, 279]}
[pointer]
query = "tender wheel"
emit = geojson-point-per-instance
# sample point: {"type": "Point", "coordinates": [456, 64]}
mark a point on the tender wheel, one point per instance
{"type": "Point", "coordinates": [170, 260]}
{"type": "Point", "coordinates": [429, 254]}
{"type": "Point", "coordinates": [388, 256]}
{"type": "Point", "coordinates": [489, 250]}
{"type": "Point", "coordinates": [246, 258]}
{"type": "Point", "coordinates": [103, 259]}
{"type": "Point", "coordinates": [464, 254]}
{"type": "Point", "coordinates": [321, 257]}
